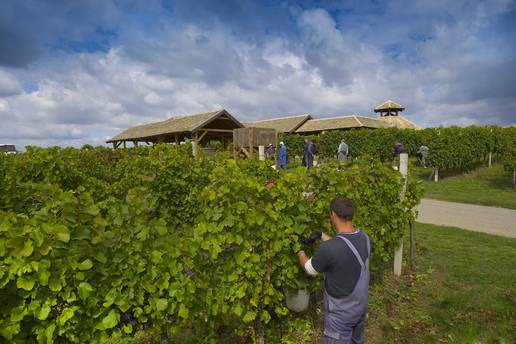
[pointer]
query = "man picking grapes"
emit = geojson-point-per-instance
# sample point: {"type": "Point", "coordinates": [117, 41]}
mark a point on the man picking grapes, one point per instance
{"type": "Point", "coordinates": [344, 261]}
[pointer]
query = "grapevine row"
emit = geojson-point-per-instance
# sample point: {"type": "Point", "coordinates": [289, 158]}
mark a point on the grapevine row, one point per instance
{"type": "Point", "coordinates": [98, 244]}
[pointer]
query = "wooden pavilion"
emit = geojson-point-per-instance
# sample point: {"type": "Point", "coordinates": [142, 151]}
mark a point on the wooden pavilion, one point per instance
{"type": "Point", "coordinates": [202, 127]}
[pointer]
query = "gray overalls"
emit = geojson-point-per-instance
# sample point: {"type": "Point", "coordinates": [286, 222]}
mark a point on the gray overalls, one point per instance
{"type": "Point", "coordinates": [344, 317]}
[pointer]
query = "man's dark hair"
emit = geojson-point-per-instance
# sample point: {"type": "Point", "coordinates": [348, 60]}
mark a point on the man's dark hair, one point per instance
{"type": "Point", "coordinates": [343, 208]}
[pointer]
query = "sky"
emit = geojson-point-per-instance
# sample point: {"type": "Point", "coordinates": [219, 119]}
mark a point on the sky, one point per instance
{"type": "Point", "coordinates": [79, 72]}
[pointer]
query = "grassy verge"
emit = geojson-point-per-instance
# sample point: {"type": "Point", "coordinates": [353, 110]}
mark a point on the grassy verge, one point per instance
{"type": "Point", "coordinates": [484, 186]}
{"type": "Point", "coordinates": [462, 291]}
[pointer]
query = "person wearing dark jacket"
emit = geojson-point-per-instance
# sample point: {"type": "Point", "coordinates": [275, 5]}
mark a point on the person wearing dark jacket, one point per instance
{"type": "Point", "coordinates": [344, 261]}
{"type": "Point", "coordinates": [398, 148]}
{"type": "Point", "coordinates": [308, 150]}
{"type": "Point", "coordinates": [270, 152]}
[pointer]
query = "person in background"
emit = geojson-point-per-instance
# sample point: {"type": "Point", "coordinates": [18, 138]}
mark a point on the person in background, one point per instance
{"type": "Point", "coordinates": [344, 261]}
{"type": "Point", "coordinates": [282, 156]}
{"type": "Point", "coordinates": [398, 148]}
{"type": "Point", "coordinates": [422, 153]}
{"type": "Point", "coordinates": [342, 152]}
{"type": "Point", "coordinates": [270, 152]}
{"type": "Point", "coordinates": [308, 149]}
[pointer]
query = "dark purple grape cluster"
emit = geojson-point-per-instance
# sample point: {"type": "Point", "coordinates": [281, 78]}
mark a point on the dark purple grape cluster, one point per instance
{"type": "Point", "coordinates": [164, 338]}
{"type": "Point", "coordinates": [148, 324]}
{"type": "Point", "coordinates": [129, 318]}
{"type": "Point", "coordinates": [189, 272]}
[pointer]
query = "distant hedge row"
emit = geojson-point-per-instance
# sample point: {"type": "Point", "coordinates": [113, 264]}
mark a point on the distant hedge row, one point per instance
{"type": "Point", "coordinates": [450, 148]}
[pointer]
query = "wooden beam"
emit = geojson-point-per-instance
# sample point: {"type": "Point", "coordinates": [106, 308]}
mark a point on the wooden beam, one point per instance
{"type": "Point", "coordinates": [250, 138]}
{"type": "Point", "coordinates": [200, 138]}
{"type": "Point", "coordinates": [195, 144]}
{"type": "Point", "coordinates": [247, 154]}
{"type": "Point", "coordinates": [218, 130]}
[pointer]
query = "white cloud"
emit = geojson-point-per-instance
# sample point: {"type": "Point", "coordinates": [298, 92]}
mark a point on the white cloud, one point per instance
{"type": "Point", "coordinates": [327, 70]}
{"type": "Point", "coordinates": [9, 85]}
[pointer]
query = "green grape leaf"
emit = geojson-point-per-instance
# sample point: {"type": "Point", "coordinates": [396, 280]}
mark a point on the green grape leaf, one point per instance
{"type": "Point", "coordinates": [28, 248]}
{"type": "Point", "coordinates": [26, 282]}
{"type": "Point", "coordinates": [183, 311]}
{"type": "Point", "coordinates": [66, 315]}
{"type": "Point", "coordinates": [61, 232]}
{"type": "Point", "coordinates": [43, 312]}
{"type": "Point", "coordinates": [111, 319]}
{"type": "Point", "coordinates": [249, 316]}
{"type": "Point", "coordinates": [84, 289]}
{"type": "Point", "coordinates": [161, 304]}
{"type": "Point", "coordinates": [85, 265]}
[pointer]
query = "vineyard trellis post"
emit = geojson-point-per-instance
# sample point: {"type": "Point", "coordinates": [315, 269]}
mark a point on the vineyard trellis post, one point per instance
{"type": "Point", "coordinates": [435, 174]}
{"type": "Point", "coordinates": [398, 253]}
{"type": "Point", "coordinates": [261, 152]}
{"type": "Point", "coordinates": [411, 238]}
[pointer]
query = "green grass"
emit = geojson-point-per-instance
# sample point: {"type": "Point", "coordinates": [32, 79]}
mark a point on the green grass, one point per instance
{"type": "Point", "coordinates": [484, 186]}
{"type": "Point", "coordinates": [463, 290]}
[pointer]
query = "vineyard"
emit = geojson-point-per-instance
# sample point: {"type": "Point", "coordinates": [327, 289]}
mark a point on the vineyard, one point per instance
{"type": "Point", "coordinates": [450, 148]}
{"type": "Point", "coordinates": [99, 244]}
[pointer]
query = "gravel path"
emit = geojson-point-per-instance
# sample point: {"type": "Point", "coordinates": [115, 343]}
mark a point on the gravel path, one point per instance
{"type": "Point", "coordinates": [479, 218]}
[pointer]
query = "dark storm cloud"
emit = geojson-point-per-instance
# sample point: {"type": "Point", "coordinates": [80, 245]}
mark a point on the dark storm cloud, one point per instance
{"type": "Point", "coordinates": [29, 28]}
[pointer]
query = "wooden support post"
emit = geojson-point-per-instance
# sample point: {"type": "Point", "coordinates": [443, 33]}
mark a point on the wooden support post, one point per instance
{"type": "Point", "coordinates": [114, 145]}
{"type": "Point", "coordinates": [398, 253]}
{"type": "Point", "coordinates": [135, 143]}
{"type": "Point", "coordinates": [490, 154]}
{"type": "Point", "coordinates": [194, 145]}
{"type": "Point", "coordinates": [124, 145]}
{"type": "Point", "coordinates": [398, 258]}
{"type": "Point", "coordinates": [177, 139]}
{"type": "Point", "coordinates": [246, 153]}
{"type": "Point", "coordinates": [161, 139]}
{"type": "Point", "coordinates": [251, 143]}
{"type": "Point", "coordinates": [411, 238]}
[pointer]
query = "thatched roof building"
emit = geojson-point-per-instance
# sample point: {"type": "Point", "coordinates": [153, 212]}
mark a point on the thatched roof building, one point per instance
{"type": "Point", "coordinates": [8, 149]}
{"type": "Point", "coordinates": [287, 124]}
{"type": "Point", "coordinates": [314, 126]}
{"type": "Point", "coordinates": [198, 127]}
{"type": "Point", "coordinates": [389, 112]}
{"type": "Point", "coordinates": [219, 125]}
{"type": "Point", "coordinates": [389, 108]}
{"type": "Point", "coordinates": [399, 122]}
